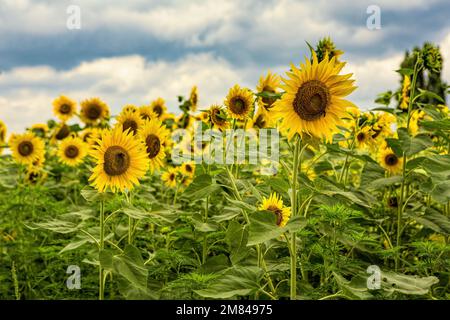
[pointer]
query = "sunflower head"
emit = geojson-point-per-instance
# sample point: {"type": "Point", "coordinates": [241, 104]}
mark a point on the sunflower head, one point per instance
{"type": "Point", "coordinates": [275, 205]}
{"type": "Point", "coordinates": [147, 113]}
{"type": "Point", "coordinates": [64, 108]}
{"type": "Point", "coordinates": [121, 160]}
{"type": "Point", "coordinates": [155, 136]}
{"type": "Point", "coordinates": [61, 132]}
{"type": "Point", "coordinates": [94, 111]}
{"type": "Point", "coordinates": [2, 132]}
{"type": "Point", "coordinates": [129, 120]}
{"type": "Point", "coordinates": [72, 151]}
{"type": "Point", "coordinates": [193, 98]}
{"type": "Point", "coordinates": [40, 129]}
{"type": "Point", "coordinates": [218, 117]}
{"type": "Point", "coordinates": [239, 102]}
{"type": "Point", "coordinates": [184, 121]}
{"type": "Point", "coordinates": [313, 103]}
{"type": "Point", "coordinates": [170, 177]}
{"type": "Point", "coordinates": [326, 48]}
{"type": "Point", "coordinates": [188, 169]}
{"type": "Point", "coordinates": [363, 138]}
{"type": "Point", "coordinates": [26, 148]}
{"type": "Point", "coordinates": [130, 108]}
{"type": "Point", "coordinates": [390, 161]}
{"type": "Point", "coordinates": [35, 176]}
{"type": "Point", "coordinates": [158, 106]}
{"type": "Point", "coordinates": [267, 84]}
{"type": "Point", "coordinates": [404, 99]}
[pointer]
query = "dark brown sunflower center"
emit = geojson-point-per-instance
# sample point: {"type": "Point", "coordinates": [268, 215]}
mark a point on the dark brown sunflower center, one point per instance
{"type": "Point", "coordinates": [93, 112]}
{"type": "Point", "coordinates": [33, 177]}
{"type": "Point", "coordinates": [87, 136]}
{"type": "Point", "coordinates": [153, 145]}
{"type": "Point", "coordinates": [25, 148]}
{"type": "Point", "coordinates": [188, 168]}
{"type": "Point", "coordinates": [2, 135]}
{"type": "Point", "coordinates": [215, 118]}
{"type": "Point", "coordinates": [194, 99]}
{"type": "Point", "coordinates": [72, 152]}
{"type": "Point", "coordinates": [158, 110]}
{"type": "Point", "coordinates": [311, 100]}
{"type": "Point", "coordinates": [238, 106]}
{"type": "Point", "coordinates": [172, 177]}
{"type": "Point", "coordinates": [260, 122]}
{"type": "Point", "coordinates": [391, 159]}
{"type": "Point", "coordinates": [146, 116]}
{"type": "Point", "coordinates": [65, 108]}
{"type": "Point", "coordinates": [63, 132]}
{"type": "Point", "coordinates": [130, 124]}
{"type": "Point", "coordinates": [277, 212]}
{"type": "Point", "coordinates": [361, 137]}
{"type": "Point", "coordinates": [117, 161]}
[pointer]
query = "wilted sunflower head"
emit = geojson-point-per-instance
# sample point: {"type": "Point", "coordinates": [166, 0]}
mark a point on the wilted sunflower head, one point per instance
{"type": "Point", "coordinates": [239, 102]}
{"type": "Point", "coordinates": [121, 160]}
{"type": "Point", "coordinates": [26, 148]}
{"type": "Point", "coordinates": [275, 204]}
{"type": "Point", "coordinates": [154, 135]}
{"type": "Point", "coordinates": [269, 85]}
{"type": "Point", "coordinates": [193, 99]}
{"type": "Point", "coordinates": [312, 103]}
{"type": "Point", "coordinates": [159, 107]}
{"type": "Point", "coordinates": [94, 111]}
{"type": "Point", "coordinates": [390, 161]}
{"type": "Point", "coordinates": [130, 120]}
{"type": "Point", "coordinates": [64, 108]}
{"type": "Point", "coordinates": [218, 117]}
{"type": "Point", "coordinates": [72, 151]}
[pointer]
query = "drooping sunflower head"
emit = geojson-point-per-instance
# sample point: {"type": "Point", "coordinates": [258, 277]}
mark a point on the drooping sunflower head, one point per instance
{"type": "Point", "coordinates": [239, 102]}
{"type": "Point", "coordinates": [121, 160]}
{"type": "Point", "coordinates": [26, 148]}
{"type": "Point", "coordinates": [40, 129]}
{"type": "Point", "coordinates": [313, 103]}
{"type": "Point", "coordinates": [129, 120]}
{"type": "Point", "coordinates": [218, 117]}
{"type": "Point", "coordinates": [269, 85]}
{"type": "Point", "coordinates": [170, 177]}
{"type": "Point", "coordinates": [158, 106]}
{"type": "Point", "coordinates": [147, 113]}
{"type": "Point", "coordinates": [193, 98]}
{"type": "Point", "coordinates": [275, 204]}
{"type": "Point", "coordinates": [72, 151]}
{"type": "Point", "coordinates": [60, 132]}
{"type": "Point", "coordinates": [390, 161]}
{"type": "Point", "coordinates": [64, 108]}
{"type": "Point", "coordinates": [94, 111]}
{"type": "Point", "coordinates": [154, 135]}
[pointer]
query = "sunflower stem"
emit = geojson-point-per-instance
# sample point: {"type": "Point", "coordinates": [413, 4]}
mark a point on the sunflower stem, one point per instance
{"type": "Point", "coordinates": [101, 277]}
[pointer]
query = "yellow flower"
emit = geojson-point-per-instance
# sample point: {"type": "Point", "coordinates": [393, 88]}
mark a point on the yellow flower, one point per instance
{"type": "Point", "coordinates": [154, 134]}
{"type": "Point", "coordinates": [313, 103]}
{"type": "Point", "coordinates": [121, 161]}
{"type": "Point", "coordinates": [26, 148]}
{"type": "Point", "coordinates": [147, 113]}
{"type": "Point", "coordinates": [72, 151]}
{"type": "Point", "coordinates": [193, 99]}
{"type": "Point", "coordinates": [64, 108]}
{"type": "Point", "coordinates": [404, 102]}
{"type": "Point", "coordinates": [2, 135]}
{"type": "Point", "coordinates": [239, 102]}
{"type": "Point", "coordinates": [60, 132]}
{"type": "Point", "coordinates": [93, 111]}
{"type": "Point", "coordinates": [218, 117]}
{"type": "Point", "coordinates": [40, 129]}
{"type": "Point", "coordinates": [159, 107]}
{"type": "Point", "coordinates": [170, 177]}
{"type": "Point", "coordinates": [364, 138]}
{"type": "Point", "coordinates": [129, 120]}
{"type": "Point", "coordinates": [416, 116]}
{"type": "Point", "coordinates": [268, 84]}
{"type": "Point", "coordinates": [130, 108]}
{"type": "Point", "coordinates": [35, 176]}
{"type": "Point", "coordinates": [188, 169]}
{"type": "Point", "coordinates": [390, 161]}
{"type": "Point", "coordinates": [275, 204]}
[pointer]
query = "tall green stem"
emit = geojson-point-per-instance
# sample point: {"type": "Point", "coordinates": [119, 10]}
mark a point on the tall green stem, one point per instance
{"type": "Point", "coordinates": [101, 276]}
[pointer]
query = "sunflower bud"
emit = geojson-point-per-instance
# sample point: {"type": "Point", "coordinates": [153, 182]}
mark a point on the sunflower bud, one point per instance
{"type": "Point", "coordinates": [325, 48]}
{"type": "Point", "coordinates": [432, 57]}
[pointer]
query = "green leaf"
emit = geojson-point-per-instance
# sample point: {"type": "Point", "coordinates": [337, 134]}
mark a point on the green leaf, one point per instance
{"type": "Point", "coordinates": [443, 124]}
{"type": "Point", "coordinates": [406, 284]}
{"type": "Point", "coordinates": [356, 288]}
{"type": "Point", "coordinates": [200, 188]}
{"type": "Point", "coordinates": [106, 259]}
{"type": "Point", "coordinates": [130, 266]}
{"type": "Point", "coordinates": [263, 227]}
{"type": "Point", "coordinates": [385, 182]}
{"type": "Point", "coordinates": [92, 195]}
{"type": "Point", "coordinates": [237, 238]}
{"type": "Point", "coordinates": [405, 71]}
{"type": "Point", "coordinates": [236, 281]}
{"type": "Point", "coordinates": [74, 245]}
{"type": "Point", "coordinates": [434, 220]}
{"type": "Point", "coordinates": [430, 94]}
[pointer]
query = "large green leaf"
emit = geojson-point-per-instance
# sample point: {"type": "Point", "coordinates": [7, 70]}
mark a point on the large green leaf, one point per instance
{"type": "Point", "coordinates": [130, 266]}
{"type": "Point", "coordinates": [200, 188]}
{"type": "Point", "coordinates": [237, 238]}
{"type": "Point", "coordinates": [406, 284]}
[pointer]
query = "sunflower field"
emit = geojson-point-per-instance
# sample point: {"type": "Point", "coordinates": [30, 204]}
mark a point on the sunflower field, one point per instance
{"type": "Point", "coordinates": [93, 205]}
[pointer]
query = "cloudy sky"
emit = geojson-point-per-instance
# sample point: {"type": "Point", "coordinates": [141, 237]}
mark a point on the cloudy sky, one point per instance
{"type": "Point", "coordinates": [136, 50]}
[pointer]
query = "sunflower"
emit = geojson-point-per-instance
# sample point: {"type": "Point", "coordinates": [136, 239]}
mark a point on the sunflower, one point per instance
{"type": "Point", "coordinates": [2, 136]}
{"type": "Point", "coordinates": [64, 108]}
{"type": "Point", "coordinates": [147, 113]}
{"type": "Point", "coordinates": [35, 175]}
{"type": "Point", "coordinates": [170, 177]}
{"type": "Point", "coordinates": [262, 119]}
{"type": "Point", "coordinates": [186, 180]}
{"type": "Point", "coordinates": [313, 101]}
{"type": "Point", "coordinates": [404, 100]}
{"type": "Point", "coordinates": [130, 108]}
{"type": "Point", "coordinates": [188, 169]}
{"type": "Point", "coordinates": [218, 117]}
{"type": "Point", "coordinates": [275, 204]}
{"type": "Point", "coordinates": [37, 164]}
{"type": "Point", "coordinates": [72, 151]}
{"type": "Point", "coordinates": [267, 84]}
{"type": "Point", "coordinates": [129, 120]}
{"type": "Point", "coordinates": [159, 107]}
{"type": "Point", "coordinates": [121, 161]}
{"type": "Point", "coordinates": [184, 121]}
{"type": "Point", "coordinates": [416, 116]}
{"type": "Point", "coordinates": [154, 134]}
{"type": "Point", "coordinates": [26, 148]}
{"type": "Point", "coordinates": [390, 161]}
{"type": "Point", "coordinates": [40, 129]}
{"type": "Point", "coordinates": [89, 135]}
{"type": "Point", "coordinates": [61, 132]}
{"type": "Point", "coordinates": [193, 99]}
{"type": "Point", "coordinates": [363, 138]}
{"type": "Point", "coordinates": [94, 111]}
{"type": "Point", "coordinates": [239, 102]}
